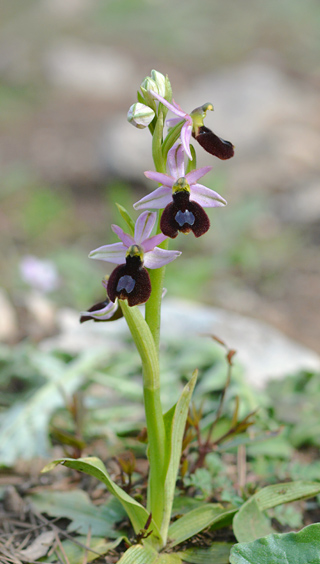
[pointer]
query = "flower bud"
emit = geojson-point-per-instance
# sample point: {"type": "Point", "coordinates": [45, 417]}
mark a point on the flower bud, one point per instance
{"type": "Point", "coordinates": [140, 115]}
{"type": "Point", "coordinates": [157, 83]}
{"type": "Point", "coordinates": [160, 80]}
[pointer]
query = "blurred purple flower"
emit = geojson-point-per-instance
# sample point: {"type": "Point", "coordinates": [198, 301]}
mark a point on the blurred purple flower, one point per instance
{"type": "Point", "coordinates": [40, 274]}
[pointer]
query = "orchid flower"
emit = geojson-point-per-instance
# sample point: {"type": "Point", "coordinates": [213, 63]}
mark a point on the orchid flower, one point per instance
{"type": "Point", "coordinates": [181, 197]}
{"type": "Point", "coordinates": [130, 280]}
{"type": "Point", "coordinates": [194, 126]}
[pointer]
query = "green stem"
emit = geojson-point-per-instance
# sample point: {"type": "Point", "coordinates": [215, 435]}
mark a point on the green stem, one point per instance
{"type": "Point", "coordinates": [170, 139]}
{"type": "Point", "coordinates": [153, 305]}
{"type": "Point", "coordinates": [151, 388]}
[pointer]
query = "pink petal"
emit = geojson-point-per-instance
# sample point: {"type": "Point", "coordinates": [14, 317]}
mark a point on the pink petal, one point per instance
{"type": "Point", "coordinates": [149, 244]}
{"type": "Point", "coordinates": [144, 226]}
{"type": "Point", "coordinates": [176, 161]}
{"type": "Point", "coordinates": [185, 138]}
{"type": "Point", "coordinates": [205, 197]}
{"type": "Point", "coordinates": [125, 238]}
{"type": "Point", "coordinates": [195, 175]}
{"type": "Point", "coordinates": [160, 177]}
{"type": "Point", "coordinates": [159, 257]}
{"type": "Point", "coordinates": [115, 253]}
{"type": "Point", "coordinates": [157, 200]}
{"type": "Point", "coordinates": [175, 110]}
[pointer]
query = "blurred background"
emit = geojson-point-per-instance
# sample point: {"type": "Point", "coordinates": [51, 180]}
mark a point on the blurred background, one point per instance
{"type": "Point", "coordinates": [70, 69]}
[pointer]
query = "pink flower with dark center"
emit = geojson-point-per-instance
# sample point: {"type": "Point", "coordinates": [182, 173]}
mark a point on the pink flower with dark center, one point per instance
{"type": "Point", "coordinates": [130, 280]}
{"type": "Point", "coordinates": [181, 197]}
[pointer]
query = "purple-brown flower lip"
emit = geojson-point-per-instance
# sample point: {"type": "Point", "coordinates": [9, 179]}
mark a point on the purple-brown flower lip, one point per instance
{"type": "Point", "coordinates": [130, 281]}
{"type": "Point", "coordinates": [183, 215]}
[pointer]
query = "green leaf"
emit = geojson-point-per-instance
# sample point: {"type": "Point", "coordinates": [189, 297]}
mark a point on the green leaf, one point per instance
{"type": "Point", "coordinates": [175, 422]}
{"type": "Point", "coordinates": [139, 554]}
{"type": "Point", "coordinates": [127, 218]}
{"type": "Point", "coordinates": [298, 548]}
{"type": "Point", "coordinates": [76, 505]}
{"type": "Point", "coordinates": [217, 553]}
{"type": "Point", "coordinates": [250, 523]}
{"type": "Point", "coordinates": [76, 553]}
{"type": "Point", "coordinates": [24, 427]}
{"type": "Point", "coordinates": [196, 520]}
{"type": "Point", "coordinates": [137, 514]}
{"type": "Point", "coordinates": [274, 495]}
{"type": "Point", "coordinates": [168, 559]}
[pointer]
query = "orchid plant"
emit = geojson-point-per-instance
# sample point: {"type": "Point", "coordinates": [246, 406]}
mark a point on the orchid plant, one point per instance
{"type": "Point", "coordinates": [141, 259]}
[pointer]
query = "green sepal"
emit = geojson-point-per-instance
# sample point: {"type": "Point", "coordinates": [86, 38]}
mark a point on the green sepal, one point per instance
{"type": "Point", "coordinates": [141, 99]}
{"type": "Point", "coordinates": [192, 164]}
{"type": "Point", "coordinates": [127, 218]}
{"type": "Point", "coordinates": [168, 95]}
{"type": "Point", "coordinates": [175, 422]}
{"type": "Point", "coordinates": [93, 466]}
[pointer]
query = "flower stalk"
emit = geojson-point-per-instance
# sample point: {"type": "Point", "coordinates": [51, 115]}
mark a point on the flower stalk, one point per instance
{"type": "Point", "coordinates": [144, 342]}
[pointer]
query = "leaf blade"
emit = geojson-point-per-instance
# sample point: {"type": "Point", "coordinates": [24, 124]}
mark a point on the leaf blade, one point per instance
{"type": "Point", "coordinates": [139, 554]}
{"type": "Point", "coordinates": [175, 431]}
{"type": "Point", "coordinates": [93, 466]}
{"type": "Point", "coordinates": [301, 548]}
{"type": "Point", "coordinates": [218, 553]}
{"type": "Point", "coordinates": [196, 520]}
